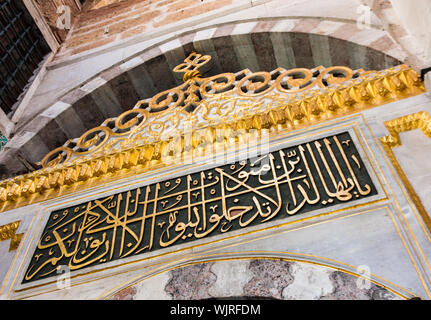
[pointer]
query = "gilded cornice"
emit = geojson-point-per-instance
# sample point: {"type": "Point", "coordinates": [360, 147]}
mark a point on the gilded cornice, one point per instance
{"type": "Point", "coordinates": [210, 109]}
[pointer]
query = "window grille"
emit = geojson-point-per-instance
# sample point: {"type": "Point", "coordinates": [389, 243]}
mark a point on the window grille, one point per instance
{"type": "Point", "coordinates": [22, 48]}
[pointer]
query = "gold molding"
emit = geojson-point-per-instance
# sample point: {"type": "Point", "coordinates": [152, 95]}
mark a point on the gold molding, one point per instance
{"type": "Point", "coordinates": [191, 66]}
{"type": "Point", "coordinates": [420, 120]}
{"type": "Point", "coordinates": [8, 231]}
{"type": "Point", "coordinates": [298, 107]}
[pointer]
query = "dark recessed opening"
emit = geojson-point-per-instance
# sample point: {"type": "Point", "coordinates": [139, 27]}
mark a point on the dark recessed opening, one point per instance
{"type": "Point", "coordinates": [22, 49]}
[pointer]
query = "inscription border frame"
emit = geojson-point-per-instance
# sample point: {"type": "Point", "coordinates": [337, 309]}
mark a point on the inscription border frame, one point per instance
{"type": "Point", "coordinates": [284, 139]}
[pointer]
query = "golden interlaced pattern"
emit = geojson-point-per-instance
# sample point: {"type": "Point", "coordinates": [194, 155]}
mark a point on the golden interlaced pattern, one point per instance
{"type": "Point", "coordinates": [281, 100]}
{"type": "Point", "coordinates": [296, 96]}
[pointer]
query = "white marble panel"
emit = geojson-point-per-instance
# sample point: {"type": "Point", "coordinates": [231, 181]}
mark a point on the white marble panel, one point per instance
{"type": "Point", "coordinates": [414, 157]}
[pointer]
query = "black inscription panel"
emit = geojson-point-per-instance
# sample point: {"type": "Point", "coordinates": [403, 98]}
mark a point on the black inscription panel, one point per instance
{"type": "Point", "coordinates": [314, 175]}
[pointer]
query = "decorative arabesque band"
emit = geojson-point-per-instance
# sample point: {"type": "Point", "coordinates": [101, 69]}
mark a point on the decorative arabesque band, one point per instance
{"type": "Point", "coordinates": [286, 98]}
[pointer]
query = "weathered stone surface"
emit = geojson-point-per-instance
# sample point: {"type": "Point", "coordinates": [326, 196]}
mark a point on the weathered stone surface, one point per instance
{"type": "Point", "coordinates": [347, 287]}
{"type": "Point", "coordinates": [191, 282]}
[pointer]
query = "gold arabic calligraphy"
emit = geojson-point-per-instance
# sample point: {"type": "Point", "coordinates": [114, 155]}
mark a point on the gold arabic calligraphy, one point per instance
{"type": "Point", "coordinates": [286, 182]}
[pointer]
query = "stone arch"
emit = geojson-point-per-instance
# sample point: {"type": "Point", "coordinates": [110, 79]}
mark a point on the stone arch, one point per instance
{"type": "Point", "coordinates": [259, 44]}
{"type": "Point", "coordinates": [278, 278]}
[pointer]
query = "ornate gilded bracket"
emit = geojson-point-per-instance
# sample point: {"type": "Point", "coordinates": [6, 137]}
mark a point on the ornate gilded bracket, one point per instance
{"type": "Point", "coordinates": [8, 231]}
{"type": "Point", "coordinates": [191, 66]}
{"type": "Point", "coordinates": [420, 120]}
